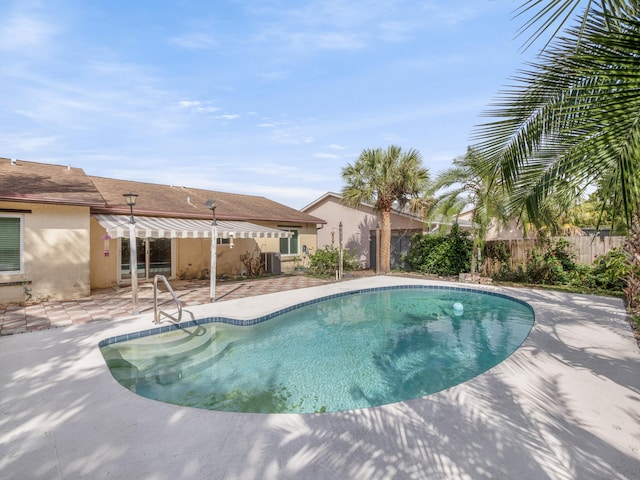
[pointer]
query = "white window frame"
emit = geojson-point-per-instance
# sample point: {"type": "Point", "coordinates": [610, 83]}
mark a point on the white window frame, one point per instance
{"type": "Point", "coordinates": [290, 229]}
{"type": "Point", "coordinates": [21, 270]}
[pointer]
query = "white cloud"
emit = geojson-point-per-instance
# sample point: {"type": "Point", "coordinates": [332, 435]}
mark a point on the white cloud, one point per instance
{"type": "Point", "coordinates": [21, 32]}
{"type": "Point", "coordinates": [195, 40]}
{"type": "Point", "coordinates": [287, 139]}
{"type": "Point", "coordinates": [229, 116]}
{"type": "Point", "coordinates": [19, 144]}
{"type": "Point", "coordinates": [197, 106]}
{"type": "Point", "coordinates": [331, 156]}
{"type": "Point", "coordinates": [272, 76]}
{"type": "Point", "coordinates": [337, 41]}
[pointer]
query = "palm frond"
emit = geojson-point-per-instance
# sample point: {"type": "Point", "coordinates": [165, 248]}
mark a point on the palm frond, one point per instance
{"type": "Point", "coordinates": [574, 117]}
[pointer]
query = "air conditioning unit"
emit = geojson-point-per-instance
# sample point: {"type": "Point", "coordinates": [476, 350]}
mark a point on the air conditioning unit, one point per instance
{"type": "Point", "coordinates": [271, 262]}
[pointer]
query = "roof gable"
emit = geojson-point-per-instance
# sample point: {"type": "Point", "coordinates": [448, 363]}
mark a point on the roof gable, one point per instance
{"type": "Point", "coordinates": [337, 198]}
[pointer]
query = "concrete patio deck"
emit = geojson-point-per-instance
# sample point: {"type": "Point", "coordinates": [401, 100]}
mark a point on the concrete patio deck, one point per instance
{"type": "Point", "coordinates": [565, 405]}
{"type": "Point", "coordinates": [112, 303]}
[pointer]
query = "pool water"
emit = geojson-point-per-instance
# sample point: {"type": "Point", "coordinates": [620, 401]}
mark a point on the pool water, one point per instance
{"type": "Point", "coordinates": [353, 351]}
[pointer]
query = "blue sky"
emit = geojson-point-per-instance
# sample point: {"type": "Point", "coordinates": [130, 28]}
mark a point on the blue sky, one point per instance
{"type": "Point", "coordinates": [269, 98]}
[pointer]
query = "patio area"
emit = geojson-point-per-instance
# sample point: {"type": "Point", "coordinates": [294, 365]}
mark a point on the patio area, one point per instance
{"type": "Point", "coordinates": [565, 405]}
{"type": "Point", "coordinates": [112, 303]}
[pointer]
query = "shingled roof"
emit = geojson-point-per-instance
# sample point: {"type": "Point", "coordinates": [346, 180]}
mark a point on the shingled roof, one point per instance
{"type": "Point", "coordinates": [44, 183]}
{"type": "Point", "coordinates": [183, 202]}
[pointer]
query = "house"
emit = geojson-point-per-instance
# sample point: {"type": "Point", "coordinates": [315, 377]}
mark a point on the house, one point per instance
{"type": "Point", "coordinates": [360, 229]}
{"type": "Point", "coordinates": [63, 232]}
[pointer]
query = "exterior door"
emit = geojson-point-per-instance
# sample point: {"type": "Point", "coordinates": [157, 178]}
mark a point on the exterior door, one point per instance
{"type": "Point", "coordinates": [154, 258]}
{"type": "Point", "coordinates": [159, 257]}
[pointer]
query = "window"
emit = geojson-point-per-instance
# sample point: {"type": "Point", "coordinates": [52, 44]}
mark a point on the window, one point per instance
{"type": "Point", "coordinates": [10, 244]}
{"type": "Point", "coordinates": [289, 246]}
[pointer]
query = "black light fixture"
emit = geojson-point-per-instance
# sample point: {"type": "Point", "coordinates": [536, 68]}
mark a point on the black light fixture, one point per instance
{"type": "Point", "coordinates": [130, 198]}
{"type": "Point", "coordinates": [212, 206]}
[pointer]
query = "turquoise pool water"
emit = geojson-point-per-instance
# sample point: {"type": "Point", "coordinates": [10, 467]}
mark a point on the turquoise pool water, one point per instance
{"type": "Point", "coordinates": [353, 351]}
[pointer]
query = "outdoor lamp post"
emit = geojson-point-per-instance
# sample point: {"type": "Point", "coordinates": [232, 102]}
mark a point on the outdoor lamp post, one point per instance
{"type": "Point", "coordinates": [340, 253]}
{"type": "Point", "coordinates": [214, 241]}
{"type": "Point", "coordinates": [131, 198]}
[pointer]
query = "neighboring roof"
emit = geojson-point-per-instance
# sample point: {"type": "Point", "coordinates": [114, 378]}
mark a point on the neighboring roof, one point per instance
{"type": "Point", "coordinates": [34, 182]}
{"type": "Point", "coordinates": [442, 220]}
{"type": "Point", "coordinates": [183, 202]}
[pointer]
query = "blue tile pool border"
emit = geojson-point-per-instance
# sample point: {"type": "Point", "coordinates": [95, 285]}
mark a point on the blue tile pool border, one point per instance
{"type": "Point", "coordinates": [269, 316]}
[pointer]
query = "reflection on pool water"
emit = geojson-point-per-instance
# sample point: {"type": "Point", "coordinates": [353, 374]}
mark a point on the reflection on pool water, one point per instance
{"type": "Point", "coordinates": [362, 349]}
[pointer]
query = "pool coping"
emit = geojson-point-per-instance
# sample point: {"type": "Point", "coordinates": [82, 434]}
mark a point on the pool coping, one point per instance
{"type": "Point", "coordinates": [263, 318]}
{"type": "Point", "coordinates": [566, 404]}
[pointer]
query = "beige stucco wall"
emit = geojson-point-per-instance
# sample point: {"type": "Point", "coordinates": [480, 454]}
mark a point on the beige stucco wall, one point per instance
{"type": "Point", "coordinates": [56, 254]}
{"type": "Point", "coordinates": [356, 226]}
{"type": "Point", "coordinates": [104, 268]}
{"type": "Point", "coordinates": [192, 256]}
{"type": "Point", "coordinates": [307, 236]}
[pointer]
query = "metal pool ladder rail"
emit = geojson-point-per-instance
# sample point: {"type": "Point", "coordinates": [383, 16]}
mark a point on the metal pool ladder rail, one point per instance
{"type": "Point", "coordinates": [157, 313]}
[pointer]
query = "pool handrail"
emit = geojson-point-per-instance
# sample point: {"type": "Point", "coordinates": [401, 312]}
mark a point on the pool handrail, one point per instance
{"type": "Point", "coordinates": [157, 313]}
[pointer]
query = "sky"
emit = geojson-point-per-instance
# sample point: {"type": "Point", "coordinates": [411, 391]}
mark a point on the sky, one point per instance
{"type": "Point", "coordinates": [270, 98]}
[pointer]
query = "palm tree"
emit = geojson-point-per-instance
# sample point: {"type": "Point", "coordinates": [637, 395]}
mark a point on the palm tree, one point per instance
{"type": "Point", "coordinates": [381, 178]}
{"type": "Point", "coordinates": [467, 183]}
{"type": "Point", "coordinates": [547, 14]}
{"type": "Point", "coordinates": [573, 119]}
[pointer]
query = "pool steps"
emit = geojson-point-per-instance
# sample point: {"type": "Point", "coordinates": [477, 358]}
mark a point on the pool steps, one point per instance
{"type": "Point", "coordinates": [158, 361]}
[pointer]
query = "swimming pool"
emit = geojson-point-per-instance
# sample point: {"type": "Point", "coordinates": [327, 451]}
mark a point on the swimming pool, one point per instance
{"type": "Point", "coordinates": [347, 351]}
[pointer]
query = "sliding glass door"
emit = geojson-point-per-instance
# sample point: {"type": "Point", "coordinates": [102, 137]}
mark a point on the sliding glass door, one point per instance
{"type": "Point", "coordinates": [154, 258]}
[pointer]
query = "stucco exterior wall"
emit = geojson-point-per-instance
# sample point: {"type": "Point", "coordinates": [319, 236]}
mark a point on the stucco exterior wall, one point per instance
{"type": "Point", "coordinates": [193, 255]}
{"type": "Point", "coordinates": [306, 237]}
{"type": "Point", "coordinates": [104, 268]}
{"type": "Point", "coordinates": [55, 251]}
{"type": "Point", "coordinates": [356, 227]}
{"type": "Point", "coordinates": [357, 224]}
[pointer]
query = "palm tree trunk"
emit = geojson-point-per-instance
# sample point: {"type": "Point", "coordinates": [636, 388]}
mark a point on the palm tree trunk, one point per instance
{"type": "Point", "coordinates": [632, 248]}
{"type": "Point", "coordinates": [385, 242]}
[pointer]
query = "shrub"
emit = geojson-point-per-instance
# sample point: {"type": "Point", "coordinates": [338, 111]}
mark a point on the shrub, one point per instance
{"type": "Point", "coordinates": [563, 252]}
{"type": "Point", "coordinates": [550, 264]}
{"type": "Point", "coordinates": [441, 254]}
{"type": "Point", "coordinates": [611, 270]}
{"type": "Point", "coordinates": [582, 277]}
{"type": "Point", "coordinates": [545, 268]}
{"type": "Point", "coordinates": [555, 264]}
{"type": "Point", "coordinates": [324, 262]}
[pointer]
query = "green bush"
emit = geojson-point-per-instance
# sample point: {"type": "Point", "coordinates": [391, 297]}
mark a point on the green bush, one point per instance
{"type": "Point", "coordinates": [441, 254]}
{"type": "Point", "coordinates": [545, 268]}
{"type": "Point", "coordinates": [611, 270]}
{"type": "Point", "coordinates": [555, 264]}
{"type": "Point", "coordinates": [582, 277]}
{"type": "Point", "coordinates": [324, 262]}
{"type": "Point", "coordinates": [563, 252]}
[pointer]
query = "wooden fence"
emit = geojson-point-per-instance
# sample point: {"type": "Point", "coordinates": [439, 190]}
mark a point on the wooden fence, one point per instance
{"type": "Point", "coordinates": [585, 248]}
